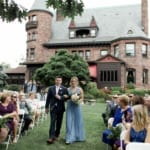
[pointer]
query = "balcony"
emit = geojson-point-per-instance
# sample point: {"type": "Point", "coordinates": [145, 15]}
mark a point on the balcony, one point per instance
{"type": "Point", "coordinates": [31, 25]}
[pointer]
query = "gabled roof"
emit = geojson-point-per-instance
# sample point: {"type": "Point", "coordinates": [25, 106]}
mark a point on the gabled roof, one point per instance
{"type": "Point", "coordinates": [113, 23]}
{"type": "Point", "coordinates": [110, 58]}
{"type": "Point", "coordinates": [17, 70]}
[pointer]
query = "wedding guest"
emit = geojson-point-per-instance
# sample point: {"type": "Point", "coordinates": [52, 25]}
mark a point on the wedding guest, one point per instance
{"type": "Point", "coordinates": [23, 105]}
{"type": "Point", "coordinates": [55, 105]}
{"type": "Point", "coordinates": [8, 110]}
{"type": "Point", "coordinates": [14, 100]}
{"type": "Point", "coordinates": [139, 130]}
{"type": "Point", "coordinates": [33, 103]}
{"type": "Point", "coordinates": [123, 115]}
{"type": "Point", "coordinates": [111, 106]}
{"type": "Point", "coordinates": [137, 100]}
{"type": "Point", "coordinates": [124, 112]}
{"type": "Point", "coordinates": [74, 120]}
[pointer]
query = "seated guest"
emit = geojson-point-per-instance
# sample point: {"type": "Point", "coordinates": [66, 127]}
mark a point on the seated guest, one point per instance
{"type": "Point", "coordinates": [8, 110]}
{"type": "Point", "coordinates": [14, 100]}
{"type": "Point", "coordinates": [123, 114]}
{"type": "Point", "coordinates": [111, 107]}
{"type": "Point", "coordinates": [23, 105]}
{"type": "Point", "coordinates": [139, 131]}
{"type": "Point", "coordinates": [33, 102]}
{"type": "Point", "coordinates": [137, 100]}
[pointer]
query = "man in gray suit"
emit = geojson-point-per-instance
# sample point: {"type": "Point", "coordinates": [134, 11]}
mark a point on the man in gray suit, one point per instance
{"type": "Point", "coordinates": [55, 105]}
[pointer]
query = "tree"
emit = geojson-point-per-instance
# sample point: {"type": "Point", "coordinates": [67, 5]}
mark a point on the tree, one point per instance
{"type": "Point", "coordinates": [69, 8]}
{"type": "Point", "coordinates": [66, 65]}
{"type": "Point", "coordinates": [3, 78]}
{"type": "Point", "coordinates": [10, 10]}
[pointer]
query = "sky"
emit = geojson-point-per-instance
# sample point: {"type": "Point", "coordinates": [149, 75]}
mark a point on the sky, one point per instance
{"type": "Point", "coordinates": [13, 35]}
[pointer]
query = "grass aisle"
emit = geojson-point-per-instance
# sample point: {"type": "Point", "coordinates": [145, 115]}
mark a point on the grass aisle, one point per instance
{"type": "Point", "coordinates": [36, 138]}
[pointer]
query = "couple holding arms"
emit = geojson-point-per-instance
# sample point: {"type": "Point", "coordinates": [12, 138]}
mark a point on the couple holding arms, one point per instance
{"type": "Point", "coordinates": [55, 104]}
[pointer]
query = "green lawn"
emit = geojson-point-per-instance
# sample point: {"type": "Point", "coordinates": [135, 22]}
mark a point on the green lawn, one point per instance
{"type": "Point", "coordinates": [36, 138]}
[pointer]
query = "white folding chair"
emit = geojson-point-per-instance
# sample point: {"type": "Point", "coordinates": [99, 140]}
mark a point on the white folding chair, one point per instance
{"type": "Point", "coordinates": [138, 146]}
{"type": "Point", "coordinates": [21, 121]}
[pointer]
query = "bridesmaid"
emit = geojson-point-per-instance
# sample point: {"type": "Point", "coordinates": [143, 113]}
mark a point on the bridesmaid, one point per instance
{"type": "Point", "coordinates": [74, 120]}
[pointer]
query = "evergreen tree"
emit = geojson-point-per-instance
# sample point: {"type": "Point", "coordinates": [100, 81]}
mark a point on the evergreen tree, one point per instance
{"type": "Point", "coordinates": [66, 65]}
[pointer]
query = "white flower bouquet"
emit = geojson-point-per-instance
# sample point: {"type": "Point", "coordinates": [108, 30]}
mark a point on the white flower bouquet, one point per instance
{"type": "Point", "coordinates": [75, 98]}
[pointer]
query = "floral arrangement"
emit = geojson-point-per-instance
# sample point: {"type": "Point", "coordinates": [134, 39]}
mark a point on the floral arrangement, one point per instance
{"type": "Point", "coordinates": [75, 98]}
{"type": "Point", "coordinates": [115, 132]}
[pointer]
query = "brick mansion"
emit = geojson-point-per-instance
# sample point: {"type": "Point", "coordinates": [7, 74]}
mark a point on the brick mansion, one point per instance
{"type": "Point", "coordinates": [113, 40]}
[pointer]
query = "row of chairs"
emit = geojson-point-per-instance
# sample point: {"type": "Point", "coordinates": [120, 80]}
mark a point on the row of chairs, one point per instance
{"type": "Point", "coordinates": [42, 117]}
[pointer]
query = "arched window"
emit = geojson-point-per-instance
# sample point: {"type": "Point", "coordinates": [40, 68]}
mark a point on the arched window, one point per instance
{"type": "Point", "coordinates": [130, 75]}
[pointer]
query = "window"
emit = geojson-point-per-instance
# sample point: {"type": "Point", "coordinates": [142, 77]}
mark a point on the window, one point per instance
{"type": "Point", "coordinates": [73, 52]}
{"type": "Point", "coordinates": [103, 52]}
{"type": "Point", "coordinates": [116, 50]}
{"type": "Point", "coordinates": [27, 54]}
{"type": "Point", "coordinates": [28, 36]}
{"type": "Point", "coordinates": [34, 18]}
{"type": "Point", "coordinates": [145, 76]}
{"type": "Point", "coordinates": [32, 54]}
{"type": "Point", "coordinates": [109, 75]}
{"type": "Point", "coordinates": [130, 49]}
{"type": "Point", "coordinates": [93, 33]}
{"type": "Point", "coordinates": [82, 33]}
{"type": "Point", "coordinates": [34, 36]}
{"type": "Point", "coordinates": [130, 75]}
{"type": "Point", "coordinates": [81, 53]}
{"type": "Point", "coordinates": [130, 32]}
{"type": "Point", "coordinates": [72, 34]}
{"type": "Point", "coordinates": [87, 54]}
{"type": "Point", "coordinates": [144, 50]}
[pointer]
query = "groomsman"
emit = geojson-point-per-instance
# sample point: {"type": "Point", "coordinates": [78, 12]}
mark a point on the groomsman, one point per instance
{"type": "Point", "coordinates": [56, 106]}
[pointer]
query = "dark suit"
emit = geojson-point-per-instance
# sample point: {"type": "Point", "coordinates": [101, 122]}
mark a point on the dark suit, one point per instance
{"type": "Point", "coordinates": [57, 108]}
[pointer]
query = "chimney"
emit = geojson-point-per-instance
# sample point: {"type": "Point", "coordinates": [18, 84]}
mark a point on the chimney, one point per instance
{"type": "Point", "coordinates": [59, 15]}
{"type": "Point", "coordinates": [144, 11]}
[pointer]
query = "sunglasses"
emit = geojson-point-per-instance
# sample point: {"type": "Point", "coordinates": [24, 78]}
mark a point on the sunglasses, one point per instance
{"type": "Point", "coordinates": [14, 96]}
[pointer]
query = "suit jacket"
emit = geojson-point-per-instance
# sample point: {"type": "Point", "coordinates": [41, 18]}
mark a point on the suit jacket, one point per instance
{"type": "Point", "coordinates": [54, 103]}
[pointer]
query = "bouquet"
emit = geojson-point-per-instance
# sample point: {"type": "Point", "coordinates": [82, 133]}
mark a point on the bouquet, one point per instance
{"type": "Point", "coordinates": [75, 98]}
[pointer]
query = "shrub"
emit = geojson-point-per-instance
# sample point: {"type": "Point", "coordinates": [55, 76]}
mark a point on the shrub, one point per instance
{"type": "Point", "coordinates": [130, 86]}
{"type": "Point", "coordinates": [93, 90]}
{"type": "Point", "coordinates": [13, 87]}
{"type": "Point", "coordinates": [139, 92]}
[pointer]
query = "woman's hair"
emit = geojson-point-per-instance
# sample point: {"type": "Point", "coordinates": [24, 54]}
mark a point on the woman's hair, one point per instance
{"type": "Point", "coordinates": [140, 116]}
{"type": "Point", "coordinates": [137, 100]}
{"type": "Point", "coordinates": [4, 96]}
{"type": "Point", "coordinates": [74, 78]}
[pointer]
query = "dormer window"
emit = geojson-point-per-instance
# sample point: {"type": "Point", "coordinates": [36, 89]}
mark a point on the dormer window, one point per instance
{"type": "Point", "coordinates": [130, 32]}
{"type": "Point", "coordinates": [72, 34]}
{"type": "Point", "coordinates": [93, 33]}
{"type": "Point", "coordinates": [82, 33]}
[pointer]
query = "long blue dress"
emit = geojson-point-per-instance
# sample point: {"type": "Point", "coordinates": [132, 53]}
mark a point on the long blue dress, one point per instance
{"type": "Point", "coordinates": [74, 121]}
